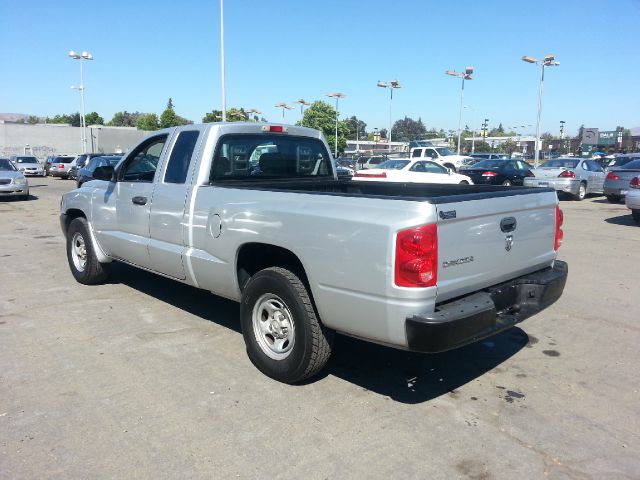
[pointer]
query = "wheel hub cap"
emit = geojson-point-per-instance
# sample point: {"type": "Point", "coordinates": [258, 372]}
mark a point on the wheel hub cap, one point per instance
{"type": "Point", "coordinates": [273, 326]}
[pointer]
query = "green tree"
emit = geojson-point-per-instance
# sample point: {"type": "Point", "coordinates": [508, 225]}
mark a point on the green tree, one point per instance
{"type": "Point", "coordinates": [32, 119]}
{"type": "Point", "coordinates": [322, 116]}
{"type": "Point", "coordinates": [169, 118]}
{"type": "Point", "coordinates": [357, 128]}
{"type": "Point", "coordinates": [233, 115]}
{"type": "Point", "coordinates": [73, 119]}
{"type": "Point", "coordinates": [148, 121]}
{"type": "Point", "coordinates": [93, 119]}
{"type": "Point", "coordinates": [124, 119]}
{"type": "Point", "coordinates": [408, 129]}
{"type": "Point", "coordinates": [212, 116]}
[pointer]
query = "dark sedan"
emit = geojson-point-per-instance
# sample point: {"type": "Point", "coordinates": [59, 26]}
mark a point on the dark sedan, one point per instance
{"type": "Point", "coordinates": [497, 172]}
{"type": "Point", "coordinates": [86, 173]}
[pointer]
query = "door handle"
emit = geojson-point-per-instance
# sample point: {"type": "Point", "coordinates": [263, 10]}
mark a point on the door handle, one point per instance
{"type": "Point", "coordinates": [139, 200]}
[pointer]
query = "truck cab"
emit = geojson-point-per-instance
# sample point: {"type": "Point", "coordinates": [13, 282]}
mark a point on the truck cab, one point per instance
{"type": "Point", "coordinates": [441, 155]}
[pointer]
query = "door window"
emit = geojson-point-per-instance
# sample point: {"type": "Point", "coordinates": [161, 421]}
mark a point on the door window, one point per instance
{"type": "Point", "coordinates": [180, 158]}
{"type": "Point", "coordinates": [141, 164]}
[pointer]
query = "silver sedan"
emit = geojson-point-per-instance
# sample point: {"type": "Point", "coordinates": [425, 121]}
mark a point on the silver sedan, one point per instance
{"type": "Point", "coordinates": [575, 176]}
{"type": "Point", "coordinates": [616, 184]}
{"type": "Point", "coordinates": [12, 182]}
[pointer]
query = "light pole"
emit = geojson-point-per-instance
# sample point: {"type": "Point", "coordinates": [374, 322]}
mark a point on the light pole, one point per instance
{"type": "Point", "coordinates": [303, 103]}
{"type": "Point", "coordinates": [390, 85]}
{"type": "Point", "coordinates": [253, 110]}
{"type": "Point", "coordinates": [81, 56]}
{"type": "Point", "coordinates": [466, 75]}
{"type": "Point", "coordinates": [547, 61]}
{"type": "Point", "coordinates": [473, 129]}
{"type": "Point", "coordinates": [222, 75]}
{"type": "Point", "coordinates": [283, 106]}
{"type": "Point", "coordinates": [337, 96]}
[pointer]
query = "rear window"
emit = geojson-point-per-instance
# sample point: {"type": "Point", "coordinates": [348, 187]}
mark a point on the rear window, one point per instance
{"type": "Point", "coordinates": [619, 161]}
{"type": "Point", "coordinates": [490, 164]}
{"type": "Point", "coordinates": [63, 159]}
{"type": "Point", "coordinates": [393, 164]}
{"type": "Point", "coordinates": [634, 165]}
{"type": "Point", "coordinates": [244, 157]}
{"type": "Point", "coordinates": [561, 164]}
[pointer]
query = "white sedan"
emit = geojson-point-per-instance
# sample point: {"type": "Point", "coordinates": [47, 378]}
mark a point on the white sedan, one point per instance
{"type": "Point", "coordinates": [411, 171]}
{"type": "Point", "coordinates": [632, 199]}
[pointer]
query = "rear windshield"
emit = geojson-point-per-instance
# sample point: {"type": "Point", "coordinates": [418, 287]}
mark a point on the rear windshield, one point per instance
{"type": "Point", "coordinates": [560, 164]}
{"type": "Point", "coordinates": [26, 160]}
{"type": "Point", "coordinates": [635, 165]}
{"type": "Point", "coordinates": [490, 164]}
{"type": "Point", "coordinates": [63, 159]}
{"type": "Point", "coordinates": [393, 164]}
{"type": "Point", "coordinates": [619, 161]}
{"type": "Point", "coordinates": [251, 156]}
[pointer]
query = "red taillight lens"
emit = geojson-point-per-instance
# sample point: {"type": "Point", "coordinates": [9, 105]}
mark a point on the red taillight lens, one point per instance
{"type": "Point", "coordinates": [529, 174]}
{"type": "Point", "coordinates": [568, 174]}
{"type": "Point", "coordinates": [417, 257]}
{"type": "Point", "coordinates": [489, 174]}
{"type": "Point", "coordinates": [612, 176]}
{"type": "Point", "coordinates": [274, 128]}
{"type": "Point", "coordinates": [559, 233]}
{"type": "Point", "coordinates": [635, 182]}
{"type": "Point", "coordinates": [371, 175]}
{"type": "Point", "coordinates": [61, 165]}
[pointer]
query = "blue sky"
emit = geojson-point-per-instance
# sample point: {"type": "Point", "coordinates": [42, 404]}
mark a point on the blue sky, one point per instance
{"type": "Point", "coordinates": [279, 51]}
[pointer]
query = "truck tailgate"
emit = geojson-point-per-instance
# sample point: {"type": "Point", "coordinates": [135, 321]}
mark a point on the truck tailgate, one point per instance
{"type": "Point", "coordinates": [486, 241]}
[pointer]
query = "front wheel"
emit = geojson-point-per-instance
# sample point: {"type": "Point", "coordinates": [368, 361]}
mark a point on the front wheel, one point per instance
{"type": "Point", "coordinates": [507, 183]}
{"type": "Point", "coordinates": [284, 337]}
{"type": "Point", "coordinates": [582, 192]}
{"type": "Point", "coordinates": [84, 264]}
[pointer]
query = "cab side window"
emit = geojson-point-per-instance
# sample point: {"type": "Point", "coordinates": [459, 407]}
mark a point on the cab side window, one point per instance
{"type": "Point", "coordinates": [141, 164]}
{"type": "Point", "coordinates": [180, 158]}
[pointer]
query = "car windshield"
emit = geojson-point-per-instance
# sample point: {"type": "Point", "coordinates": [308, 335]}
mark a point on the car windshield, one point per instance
{"type": "Point", "coordinates": [480, 155]}
{"type": "Point", "coordinates": [635, 165]}
{"type": "Point", "coordinates": [393, 164]}
{"type": "Point", "coordinates": [490, 164]}
{"type": "Point", "coordinates": [560, 163]}
{"type": "Point", "coordinates": [444, 151]}
{"type": "Point", "coordinates": [6, 166]}
{"type": "Point", "coordinates": [26, 160]}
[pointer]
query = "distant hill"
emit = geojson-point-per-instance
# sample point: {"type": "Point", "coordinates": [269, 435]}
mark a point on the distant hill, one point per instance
{"type": "Point", "coordinates": [635, 131]}
{"type": "Point", "coordinates": [13, 117]}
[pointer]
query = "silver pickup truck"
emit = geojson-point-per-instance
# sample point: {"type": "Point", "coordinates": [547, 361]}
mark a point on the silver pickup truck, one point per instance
{"type": "Point", "coordinates": [254, 212]}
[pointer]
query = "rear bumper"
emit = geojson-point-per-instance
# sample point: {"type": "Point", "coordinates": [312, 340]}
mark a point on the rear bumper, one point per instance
{"type": "Point", "coordinates": [567, 185]}
{"type": "Point", "coordinates": [485, 313]}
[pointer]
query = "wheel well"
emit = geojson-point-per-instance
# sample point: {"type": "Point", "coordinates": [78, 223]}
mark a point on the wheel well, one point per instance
{"type": "Point", "coordinates": [72, 214]}
{"type": "Point", "coordinates": [253, 257]}
{"type": "Point", "coordinates": [450, 165]}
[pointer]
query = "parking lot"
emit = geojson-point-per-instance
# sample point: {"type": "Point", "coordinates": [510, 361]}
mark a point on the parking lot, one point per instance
{"type": "Point", "coordinates": [148, 378]}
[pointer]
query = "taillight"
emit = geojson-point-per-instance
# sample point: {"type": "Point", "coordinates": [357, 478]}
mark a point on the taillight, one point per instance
{"type": "Point", "coordinates": [559, 233]}
{"type": "Point", "coordinates": [489, 174]}
{"type": "Point", "coordinates": [635, 182]}
{"type": "Point", "coordinates": [529, 174]}
{"type": "Point", "coordinates": [371, 175]}
{"type": "Point", "coordinates": [61, 165]}
{"type": "Point", "coordinates": [416, 263]}
{"type": "Point", "coordinates": [568, 174]}
{"type": "Point", "coordinates": [274, 128]}
{"type": "Point", "coordinates": [612, 176]}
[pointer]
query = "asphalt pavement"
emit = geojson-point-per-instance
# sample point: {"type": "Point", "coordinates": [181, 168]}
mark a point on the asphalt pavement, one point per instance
{"type": "Point", "coordinates": [147, 378]}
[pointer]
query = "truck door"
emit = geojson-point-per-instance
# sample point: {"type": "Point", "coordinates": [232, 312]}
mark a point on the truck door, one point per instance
{"type": "Point", "coordinates": [167, 218]}
{"type": "Point", "coordinates": [121, 214]}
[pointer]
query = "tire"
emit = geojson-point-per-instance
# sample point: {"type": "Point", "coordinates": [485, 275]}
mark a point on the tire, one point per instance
{"type": "Point", "coordinates": [636, 215]}
{"type": "Point", "coordinates": [464, 182]}
{"type": "Point", "coordinates": [582, 192]}
{"type": "Point", "coordinates": [614, 198]}
{"type": "Point", "coordinates": [84, 264]}
{"type": "Point", "coordinates": [507, 183]}
{"type": "Point", "coordinates": [284, 337]}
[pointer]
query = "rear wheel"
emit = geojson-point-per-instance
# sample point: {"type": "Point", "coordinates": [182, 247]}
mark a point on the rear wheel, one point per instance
{"type": "Point", "coordinates": [582, 192]}
{"type": "Point", "coordinates": [282, 332]}
{"type": "Point", "coordinates": [507, 183]}
{"type": "Point", "coordinates": [614, 198]}
{"type": "Point", "coordinates": [464, 182]}
{"type": "Point", "coordinates": [636, 215]}
{"type": "Point", "coordinates": [82, 259]}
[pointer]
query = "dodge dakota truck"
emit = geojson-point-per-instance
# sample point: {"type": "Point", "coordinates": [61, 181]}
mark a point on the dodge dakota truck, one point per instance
{"type": "Point", "coordinates": [254, 212]}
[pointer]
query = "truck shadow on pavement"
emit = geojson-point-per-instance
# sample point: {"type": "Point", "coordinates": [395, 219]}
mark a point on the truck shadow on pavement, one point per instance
{"type": "Point", "coordinates": [405, 377]}
{"type": "Point", "coordinates": [626, 220]}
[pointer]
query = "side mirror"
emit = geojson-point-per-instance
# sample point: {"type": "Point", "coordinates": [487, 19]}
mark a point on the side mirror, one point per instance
{"type": "Point", "coordinates": [106, 173]}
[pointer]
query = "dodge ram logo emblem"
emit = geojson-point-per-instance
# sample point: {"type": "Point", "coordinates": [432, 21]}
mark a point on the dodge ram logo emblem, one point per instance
{"type": "Point", "coordinates": [508, 243]}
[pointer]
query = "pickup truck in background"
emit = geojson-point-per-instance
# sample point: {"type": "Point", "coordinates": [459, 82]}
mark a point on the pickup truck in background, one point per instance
{"type": "Point", "coordinates": [255, 213]}
{"type": "Point", "coordinates": [441, 155]}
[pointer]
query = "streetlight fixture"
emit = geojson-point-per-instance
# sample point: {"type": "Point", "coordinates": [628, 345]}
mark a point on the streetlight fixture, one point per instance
{"type": "Point", "coordinates": [337, 96]}
{"type": "Point", "coordinates": [303, 103]}
{"type": "Point", "coordinates": [253, 110]}
{"type": "Point", "coordinates": [466, 75]}
{"type": "Point", "coordinates": [391, 86]}
{"type": "Point", "coordinates": [547, 61]}
{"type": "Point", "coordinates": [81, 56]}
{"type": "Point", "coordinates": [283, 106]}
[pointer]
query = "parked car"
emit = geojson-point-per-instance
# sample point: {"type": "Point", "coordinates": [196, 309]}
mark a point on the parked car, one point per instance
{"type": "Point", "coordinates": [83, 159]}
{"type": "Point", "coordinates": [411, 171]}
{"type": "Point", "coordinates": [53, 162]}
{"type": "Point", "coordinates": [13, 183]}
{"type": "Point", "coordinates": [488, 156]}
{"type": "Point", "coordinates": [27, 164]}
{"type": "Point", "coordinates": [574, 176]}
{"type": "Point", "coordinates": [498, 172]}
{"type": "Point", "coordinates": [370, 162]}
{"type": "Point", "coordinates": [61, 166]}
{"type": "Point", "coordinates": [633, 198]}
{"type": "Point", "coordinates": [616, 183]}
{"type": "Point", "coordinates": [85, 174]}
{"type": "Point", "coordinates": [441, 155]}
